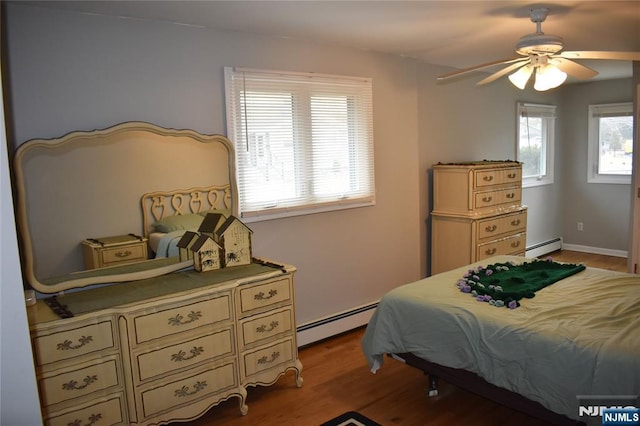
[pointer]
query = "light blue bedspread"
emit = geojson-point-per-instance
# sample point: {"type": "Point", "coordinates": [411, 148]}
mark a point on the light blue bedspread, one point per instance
{"type": "Point", "coordinates": [167, 247]}
{"type": "Point", "coordinates": [579, 336]}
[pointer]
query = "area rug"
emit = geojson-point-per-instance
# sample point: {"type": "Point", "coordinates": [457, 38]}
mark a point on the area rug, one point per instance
{"type": "Point", "coordinates": [351, 418]}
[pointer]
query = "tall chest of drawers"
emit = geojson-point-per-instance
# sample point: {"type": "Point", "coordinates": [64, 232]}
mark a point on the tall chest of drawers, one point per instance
{"type": "Point", "coordinates": [164, 349]}
{"type": "Point", "coordinates": [477, 213]}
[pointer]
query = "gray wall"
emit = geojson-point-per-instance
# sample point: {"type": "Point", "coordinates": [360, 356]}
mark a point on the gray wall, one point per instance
{"type": "Point", "coordinates": [71, 71]}
{"type": "Point", "coordinates": [461, 121]}
{"type": "Point", "coordinates": [603, 208]}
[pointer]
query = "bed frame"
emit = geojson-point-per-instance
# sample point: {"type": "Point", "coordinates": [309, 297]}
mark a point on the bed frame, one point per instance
{"type": "Point", "coordinates": [471, 382]}
{"type": "Point", "coordinates": [160, 204]}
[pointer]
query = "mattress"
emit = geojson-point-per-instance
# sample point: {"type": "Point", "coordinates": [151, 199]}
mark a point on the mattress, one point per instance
{"type": "Point", "coordinates": [578, 336]}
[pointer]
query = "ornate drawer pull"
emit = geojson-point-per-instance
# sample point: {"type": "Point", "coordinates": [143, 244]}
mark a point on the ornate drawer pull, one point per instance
{"type": "Point", "coordinates": [182, 355]}
{"type": "Point", "coordinates": [73, 385]}
{"type": "Point", "coordinates": [515, 244]}
{"type": "Point", "coordinates": [267, 360]}
{"type": "Point", "coordinates": [511, 195]}
{"type": "Point", "coordinates": [512, 175]}
{"type": "Point", "coordinates": [184, 391]}
{"type": "Point", "coordinates": [491, 228]}
{"type": "Point", "coordinates": [178, 319]}
{"type": "Point", "coordinates": [263, 328]}
{"type": "Point", "coordinates": [125, 253]}
{"type": "Point", "coordinates": [68, 345]}
{"type": "Point", "coordinates": [491, 251]}
{"type": "Point", "coordinates": [263, 296]}
{"type": "Point", "coordinates": [93, 419]}
{"type": "Point", "coordinates": [515, 222]}
{"type": "Point", "coordinates": [488, 178]}
{"type": "Point", "coordinates": [487, 199]}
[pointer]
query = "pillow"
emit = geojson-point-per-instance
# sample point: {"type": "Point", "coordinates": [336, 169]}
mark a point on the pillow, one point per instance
{"type": "Point", "coordinates": [190, 222]}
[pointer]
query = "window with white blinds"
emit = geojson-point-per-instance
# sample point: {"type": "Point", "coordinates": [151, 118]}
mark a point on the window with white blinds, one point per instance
{"type": "Point", "coordinates": [304, 141]}
{"type": "Point", "coordinates": [535, 143]}
{"type": "Point", "coordinates": [610, 157]}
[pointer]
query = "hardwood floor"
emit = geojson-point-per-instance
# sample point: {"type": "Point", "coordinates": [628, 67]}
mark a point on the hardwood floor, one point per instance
{"type": "Point", "coordinates": [594, 260]}
{"type": "Point", "coordinates": [337, 379]}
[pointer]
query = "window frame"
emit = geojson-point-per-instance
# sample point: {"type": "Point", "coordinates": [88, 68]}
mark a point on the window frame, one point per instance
{"type": "Point", "coordinates": [548, 114]}
{"type": "Point", "coordinates": [305, 200]}
{"type": "Point", "coordinates": [619, 109]}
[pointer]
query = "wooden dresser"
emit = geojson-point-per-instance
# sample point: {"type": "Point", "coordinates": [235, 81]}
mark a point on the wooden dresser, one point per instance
{"type": "Point", "coordinates": [477, 213]}
{"type": "Point", "coordinates": [164, 349]}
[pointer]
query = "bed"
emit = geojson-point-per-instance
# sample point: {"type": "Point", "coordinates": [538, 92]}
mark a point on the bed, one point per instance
{"type": "Point", "coordinates": [579, 336]}
{"type": "Point", "coordinates": [167, 215]}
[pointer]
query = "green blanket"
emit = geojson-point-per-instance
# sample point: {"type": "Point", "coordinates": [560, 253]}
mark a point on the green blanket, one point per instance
{"type": "Point", "coordinates": [505, 284]}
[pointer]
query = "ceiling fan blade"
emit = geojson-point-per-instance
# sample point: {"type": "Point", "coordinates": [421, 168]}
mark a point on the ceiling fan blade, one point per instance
{"type": "Point", "coordinates": [461, 72]}
{"type": "Point", "coordinates": [574, 69]}
{"type": "Point", "coordinates": [503, 71]}
{"type": "Point", "coordinates": [616, 56]}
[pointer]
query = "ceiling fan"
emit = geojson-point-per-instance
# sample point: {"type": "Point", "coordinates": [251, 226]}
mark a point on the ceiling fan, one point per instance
{"type": "Point", "coordinates": [542, 55]}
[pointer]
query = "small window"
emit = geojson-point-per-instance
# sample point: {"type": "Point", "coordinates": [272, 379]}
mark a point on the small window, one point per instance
{"type": "Point", "coordinates": [304, 141]}
{"type": "Point", "coordinates": [536, 132]}
{"type": "Point", "coordinates": [610, 157]}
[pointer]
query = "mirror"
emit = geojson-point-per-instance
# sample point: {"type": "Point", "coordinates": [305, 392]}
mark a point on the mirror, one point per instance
{"type": "Point", "coordinates": [91, 185]}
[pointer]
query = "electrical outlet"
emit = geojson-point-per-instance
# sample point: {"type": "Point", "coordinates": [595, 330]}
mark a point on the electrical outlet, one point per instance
{"type": "Point", "coordinates": [580, 226]}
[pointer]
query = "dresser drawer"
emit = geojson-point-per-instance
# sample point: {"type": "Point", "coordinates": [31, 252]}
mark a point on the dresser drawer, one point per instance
{"type": "Point", "coordinates": [264, 295]}
{"type": "Point", "coordinates": [267, 357]}
{"type": "Point", "coordinates": [185, 354]}
{"type": "Point", "coordinates": [263, 327]}
{"type": "Point", "coordinates": [514, 244]}
{"type": "Point", "coordinates": [106, 412]}
{"type": "Point", "coordinates": [62, 386]}
{"type": "Point", "coordinates": [126, 254]}
{"type": "Point", "coordinates": [73, 342]}
{"type": "Point", "coordinates": [508, 196]}
{"type": "Point", "coordinates": [502, 225]}
{"type": "Point", "coordinates": [186, 390]}
{"type": "Point", "coordinates": [183, 318]}
{"type": "Point", "coordinates": [116, 250]}
{"type": "Point", "coordinates": [496, 177]}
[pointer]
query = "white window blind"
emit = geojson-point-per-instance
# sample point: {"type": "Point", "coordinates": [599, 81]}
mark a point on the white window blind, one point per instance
{"type": "Point", "coordinates": [304, 141]}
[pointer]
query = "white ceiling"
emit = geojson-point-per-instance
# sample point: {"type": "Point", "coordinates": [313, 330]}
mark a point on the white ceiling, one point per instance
{"type": "Point", "coordinates": [458, 34]}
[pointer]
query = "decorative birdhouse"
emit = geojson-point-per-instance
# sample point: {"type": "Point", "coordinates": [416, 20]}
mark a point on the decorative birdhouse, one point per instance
{"type": "Point", "coordinates": [235, 239]}
{"type": "Point", "coordinates": [184, 245]}
{"type": "Point", "coordinates": [207, 254]}
{"type": "Point", "coordinates": [211, 223]}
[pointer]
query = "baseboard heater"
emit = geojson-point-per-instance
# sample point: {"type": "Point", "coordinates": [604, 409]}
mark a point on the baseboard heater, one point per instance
{"type": "Point", "coordinates": [544, 247]}
{"type": "Point", "coordinates": [335, 324]}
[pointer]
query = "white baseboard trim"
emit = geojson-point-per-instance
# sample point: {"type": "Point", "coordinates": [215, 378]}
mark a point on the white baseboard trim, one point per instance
{"type": "Point", "coordinates": [331, 325]}
{"type": "Point", "coordinates": [595, 250]}
{"type": "Point", "coordinates": [545, 247]}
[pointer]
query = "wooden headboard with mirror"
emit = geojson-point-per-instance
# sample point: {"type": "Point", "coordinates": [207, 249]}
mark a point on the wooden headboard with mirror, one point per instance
{"type": "Point", "coordinates": [92, 184]}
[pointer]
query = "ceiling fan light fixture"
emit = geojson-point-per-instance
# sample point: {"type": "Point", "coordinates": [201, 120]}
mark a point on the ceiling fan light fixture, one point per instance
{"type": "Point", "coordinates": [549, 77]}
{"type": "Point", "coordinates": [521, 77]}
{"type": "Point", "coordinates": [539, 43]}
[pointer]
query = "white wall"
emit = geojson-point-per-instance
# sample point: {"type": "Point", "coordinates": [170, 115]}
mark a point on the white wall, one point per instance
{"type": "Point", "coordinates": [19, 404]}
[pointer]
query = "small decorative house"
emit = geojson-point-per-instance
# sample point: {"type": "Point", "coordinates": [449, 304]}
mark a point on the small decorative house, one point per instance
{"type": "Point", "coordinates": [235, 239]}
{"type": "Point", "coordinates": [184, 245]}
{"type": "Point", "coordinates": [210, 224]}
{"type": "Point", "coordinates": [207, 254]}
